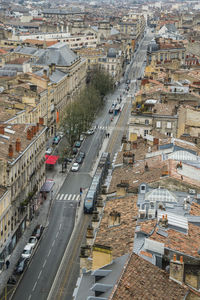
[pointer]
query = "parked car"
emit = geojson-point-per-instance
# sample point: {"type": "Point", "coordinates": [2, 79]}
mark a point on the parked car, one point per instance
{"type": "Point", "coordinates": [56, 140]}
{"type": "Point", "coordinates": [82, 154]}
{"type": "Point", "coordinates": [60, 134]}
{"type": "Point", "coordinates": [79, 159]}
{"type": "Point", "coordinates": [81, 137]}
{"type": "Point", "coordinates": [32, 241]}
{"type": "Point", "coordinates": [75, 167]}
{"type": "Point", "coordinates": [27, 252]}
{"type": "Point", "coordinates": [37, 232]}
{"type": "Point", "coordinates": [21, 265]}
{"type": "Point", "coordinates": [90, 132]}
{"type": "Point", "coordinates": [49, 151]}
{"type": "Point", "coordinates": [77, 144]}
{"type": "Point", "coordinates": [75, 150]}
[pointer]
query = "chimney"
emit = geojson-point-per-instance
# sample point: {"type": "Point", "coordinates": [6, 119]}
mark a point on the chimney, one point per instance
{"type": "Point", "coordinates": [29, 134]}
{"type": "Point", "coordinates": [2, 129]}
{"type": "Point", "coordinates": [41, 121]}
{"type": "Point", "coordinates": [18, 145]}
{"type": "Point", "coordinates": [34, 130]}
{"type": "Point", "coordinates": [10, 151]}
{"type": "Point", "coordinates": [38, 127]}
{"type": "Point", "coordinates": [164, 221]}
{"type": "Point", "coordinates": [177, 269]}
{"type": "Point", "coordinates": [50, 70]}
{"type": "Point", "coordinates": [45, 74]}
{"type": "Point", "coordinates": [53, 66]}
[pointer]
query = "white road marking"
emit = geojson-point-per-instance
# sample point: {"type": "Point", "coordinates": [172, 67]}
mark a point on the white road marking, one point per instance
{"type": "Point", "coordinates": [69, 197]}
{"type": "Point", "coordinates": [57, 234]}
{"type": "Point", "coordinates": [77, 197]}
{"type": "Point", "coordinates": [29, 297]}
{"type": "Point", "coordinates": [73, 197]}
{"type": "Point", "coordinates": [57, 196]}
{"type": "Point", "coordinates": [61, 197]}
{"type": "Point", "coordinates": [44, 263]}
{"type": "Point", "coordinates": [65, 198]}
{"type": "Point", "coordinates": [49, 252]}
{"type": "Point", "coordinates": [39, 274]}
{"type": "Point", "coordinates": [34, 286]}
{"type": "Point", "coordinates": [60, 226]}
{"type": "Point", "coordinates": [53, 243]}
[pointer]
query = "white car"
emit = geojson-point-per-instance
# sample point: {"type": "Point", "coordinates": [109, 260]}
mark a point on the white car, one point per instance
{"type": "Point", "coordinates": [49, 151]}
{"type": "Point", "coordinates": [75, 167]}
{"type": "Point", "coordinates": [90, 131]}
{"type": "Point", "coordinates": [28, 249]}
{"type": "Point", "coordinates": [32, 241]}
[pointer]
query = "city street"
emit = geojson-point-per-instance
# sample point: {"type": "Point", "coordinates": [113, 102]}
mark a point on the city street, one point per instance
{"type": "Point", "coordinates": [38, 279]}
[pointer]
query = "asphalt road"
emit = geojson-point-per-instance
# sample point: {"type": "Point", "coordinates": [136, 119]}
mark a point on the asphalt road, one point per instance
{"type": "Point", "coordinates": [40, 274]}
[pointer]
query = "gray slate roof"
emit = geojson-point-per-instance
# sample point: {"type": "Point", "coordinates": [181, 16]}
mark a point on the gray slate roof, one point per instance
{"type": "Point", "coordinates": [88, 286]}
{"type": "Point", "coordinates": [59, 54]}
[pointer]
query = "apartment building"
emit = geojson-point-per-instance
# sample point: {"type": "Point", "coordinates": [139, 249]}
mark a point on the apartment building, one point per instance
{"type": "Point", "coordinates": [162, 51]}
{"type": "Point", "coordinates": [22, 176]}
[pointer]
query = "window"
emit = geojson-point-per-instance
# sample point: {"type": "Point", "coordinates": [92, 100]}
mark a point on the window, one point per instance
{"type": "Point", "coordinates": [146, 122]}
{"type": "Point", "coordinates": [169, 134]}
{"type": "Point", "coordinates": [158, 124]}
{"type": "Point", "coordinates": [169, 125]}
{"type": "Point", "coordinates": [146, 132]}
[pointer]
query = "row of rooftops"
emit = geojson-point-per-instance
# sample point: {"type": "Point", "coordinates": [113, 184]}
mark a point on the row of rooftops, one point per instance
{"type": "Point", "coordinates": [145, 225]}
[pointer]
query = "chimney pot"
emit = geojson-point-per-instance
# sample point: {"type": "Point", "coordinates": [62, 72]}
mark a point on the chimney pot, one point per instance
{"type": "Point", "coordinates": [29, 134]}
{"type": "Point", "coordinates": [174, 257]}
{"type": "Point", "coordinates": [41, 121]}
{"type": "Point", "coordinates": [18, 145]}
{"type": "Point", "coordinates": [181, 259]}
{"type": "Point", "coordinates": [10, 151]}
{"type": "Point", "coordinates": [38, 127]}
{"type": "Point", "coordinates": [2, 129]}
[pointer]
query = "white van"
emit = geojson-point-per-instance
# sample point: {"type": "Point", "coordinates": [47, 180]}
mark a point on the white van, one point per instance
{"type": "Point", "coordinates": [28, 249]}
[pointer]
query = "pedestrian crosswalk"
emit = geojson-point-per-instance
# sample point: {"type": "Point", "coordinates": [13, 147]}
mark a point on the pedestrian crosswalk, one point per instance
{"type": "Point", "coordinates": [68, 197]}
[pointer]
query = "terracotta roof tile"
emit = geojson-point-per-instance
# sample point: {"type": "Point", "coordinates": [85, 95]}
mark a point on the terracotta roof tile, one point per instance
{"type": "Point", "coordinates": [143, 281]}
{"type": "Point", "coordinates": [119, 237]}
{"type": "Point", "coordinates": [188, 244]}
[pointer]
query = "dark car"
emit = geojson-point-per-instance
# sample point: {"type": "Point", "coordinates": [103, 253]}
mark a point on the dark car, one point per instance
{"type": "Point", "coordinates": [77, 144]}
{"type": "Point", "coordinates": [56, 140]}
{"type": "Point", "coordinates": [38, 231]}
{"type": "Point", "coordinates": [74, 150]}
{"type": "Point", "coordinates": [79, 159]}
{"type": "Point", "coordinates": [82, 154]}
{"type": "Point", "coordinates": [22, 263]}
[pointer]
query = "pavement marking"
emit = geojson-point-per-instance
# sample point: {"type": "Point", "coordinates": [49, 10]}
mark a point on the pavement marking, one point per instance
{"type": "Point", "coordinates": [74, 196]}
{"type": "Point", "coordinates": [61, 197]}
{"type": "Point", "coordinates": [49, 252]}
{"type": "Point", "coordinates": [39, 274]}
{"type": "Point", "coordinates": [29, 297]}
{"type": "Point", "coordinates": [53, 243]}
{"type": "Point", "coordinates": [57, 196]}
{"type": "Point", "coordinates": [60, 226]}
{"type": "Point", "coordinates": [70, 196]}
{"type": "Point", "coordinates": [65, 198]}
{"type": "Point", "coordinates": [44, 263]}
{"type": "Point", "coordinates": [77, 197]}
{"type": "Point", "coordinates": [57, 234]}
{"type": "Point", "coordinates": [34, 286]}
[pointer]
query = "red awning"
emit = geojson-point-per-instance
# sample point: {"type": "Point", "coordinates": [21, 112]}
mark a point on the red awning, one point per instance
{"type": "Point", "coordinates": [51, 159]}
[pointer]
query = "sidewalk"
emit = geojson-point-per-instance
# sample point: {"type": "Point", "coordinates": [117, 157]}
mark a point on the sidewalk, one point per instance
{"type": "Point", "coordinates": [41, 218]}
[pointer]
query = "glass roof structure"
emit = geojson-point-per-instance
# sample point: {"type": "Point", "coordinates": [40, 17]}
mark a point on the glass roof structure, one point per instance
{"type": "Point", "coordinates": [161, 195]}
